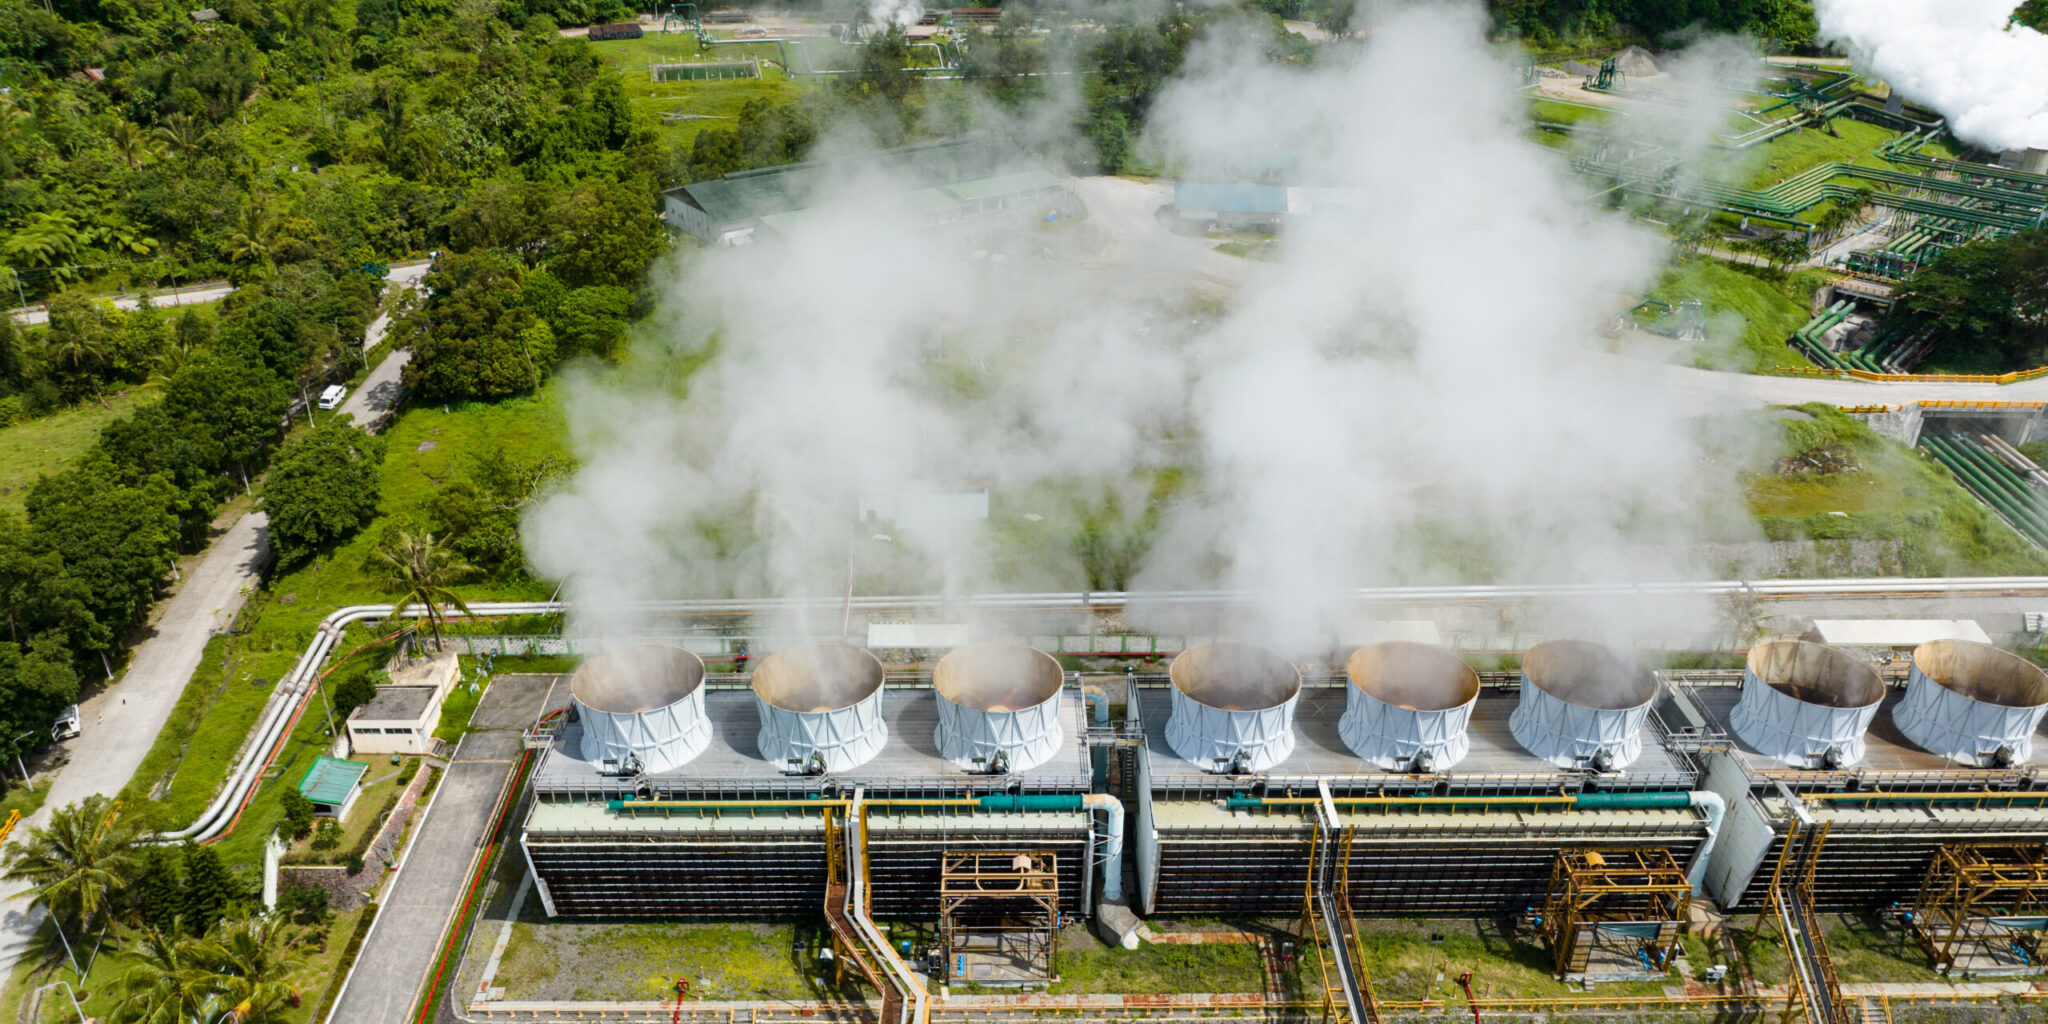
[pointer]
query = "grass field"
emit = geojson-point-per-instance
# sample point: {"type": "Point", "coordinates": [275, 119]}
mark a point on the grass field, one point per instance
{"type": "Point", "coordinates": [31, 449]}
{"type": "Point", "coordinates": [1087, 965]}
{"type": "Point", "coordinates": [629, 960]}
{"type": "Point", "coordinates": [1567, 113]}
{"type": "Point", "coordinates": [1406, 964]}
{"type": "Point", "coordinates": [1788, 154]}
{"type": "Point", "coordinates": [711, 104]}
{"type": "Point", "coordinates": [1896, 494]}
{"type": "Point", "coordinates": [1749, 315]}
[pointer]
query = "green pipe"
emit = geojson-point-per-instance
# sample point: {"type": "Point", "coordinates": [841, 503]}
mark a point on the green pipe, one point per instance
{"type": "Point", "coordinates": [2018, 496]}
{"type": "Point", "coordinates": [1950, 455]}
{"type": "Point", "coordinates": [1581, 800]}
{"type": "Point", "coordinates": [1030, 802]}
{"type": "Point", "coordinates": [1635, 800]}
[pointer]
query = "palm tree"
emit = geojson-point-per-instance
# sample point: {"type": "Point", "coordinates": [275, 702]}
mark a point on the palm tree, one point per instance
{"type": "Point", "coordinates": [249, 241]}
{"type": "Point", "coordinates": [78, 861]}
{"type": "Point", "coordinates": [77, 349]}
{"type": "Point", "coordinates": [166, 985]}
{"type": "Point", "coordinates": [249, 963]}
{"type": "Point", "coordinates": [421, 570]}
{"type": "Point", "coordinates": [183, 134]}
{"type": "Point", "coordinates": [135, 144]}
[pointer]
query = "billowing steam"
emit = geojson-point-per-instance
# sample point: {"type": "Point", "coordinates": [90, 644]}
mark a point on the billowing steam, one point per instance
{"type": "Point", "coordinates": [1407, 393]}
{"type": "Point", "coordinates": [1989, 78]}
{"type": "Point", "coordinates": [896, 14]}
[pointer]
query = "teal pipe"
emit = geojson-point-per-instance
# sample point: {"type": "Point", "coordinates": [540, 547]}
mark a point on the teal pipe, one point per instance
{"type": "Point", "coordinates": [1030, 802]}
{"type": "Point", "coordinates": [1640, 801]}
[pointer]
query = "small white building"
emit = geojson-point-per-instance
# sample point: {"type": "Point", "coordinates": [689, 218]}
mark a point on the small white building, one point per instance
{"type": "Point", "coordinates": [402, 717]}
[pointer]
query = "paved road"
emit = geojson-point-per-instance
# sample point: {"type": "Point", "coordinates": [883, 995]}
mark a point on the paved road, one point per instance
{"type": "Point", "coordinates": [182, 297]}
{"type": "Point", "coordinates": [122, 721]}
{"type": "Point", "coordinates": [416, 905]}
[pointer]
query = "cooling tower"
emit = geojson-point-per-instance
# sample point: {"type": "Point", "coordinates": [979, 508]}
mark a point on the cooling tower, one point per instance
{"type": "Point", "coordinates": [821, 707]}
{"type": "Point", "coordinates": [1233, 707]}
{"type": "Point", "coordinates": [1806, 704]}
{"type": "Point", "coordinates": [1407, 706]}
{"type": "Point", "coordinates": [1582, 706]}
{"type": "Point", "coordinates": [642, 708]}
{"type": "Point", "coordinates": [999, 707]}
{"type": "Point", "coordinates": [1972, 703]}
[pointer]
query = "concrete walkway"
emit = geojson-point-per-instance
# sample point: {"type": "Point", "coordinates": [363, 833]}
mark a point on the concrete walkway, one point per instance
{"type": "Point", "coordinates": [421, 900]}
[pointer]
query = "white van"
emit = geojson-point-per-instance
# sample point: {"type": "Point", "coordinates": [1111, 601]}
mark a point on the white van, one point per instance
{"type": "Point", "coordinates": [331, 398]}
{"type": "Point", "coordinates": [67, 724]}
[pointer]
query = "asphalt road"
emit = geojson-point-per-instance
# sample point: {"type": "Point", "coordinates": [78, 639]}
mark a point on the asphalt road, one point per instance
{"type": "Point", "coordinates": [416, 906]}
{"type": "Point", "coordinates": [122, 721]}
{"type": "Point", "coordinates": [184, 297]}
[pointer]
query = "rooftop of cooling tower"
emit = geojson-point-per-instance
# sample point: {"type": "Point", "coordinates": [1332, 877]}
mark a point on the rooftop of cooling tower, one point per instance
{"type": "Point", "coordinates": [824, 677]}
{"type": "Point", "coordinates": [1320, 751]}
{"type": "Point", "coordinates": [1588, 675]}
{"type": "Point", "coordinates": [911, 755]}
{"type": "Point", "coordinates": [1816, 674]}
{"type": "Point", "coordinates": [1886, 750]}
{"type": "Point", "coordinates": [1419, 677]}
{"type": "Point", "coordinates": [634, 679]}
{"type": "Point", "coordinates": [1235, 677]}
{"type": "Point", "coordinates": [997, 677]}
{"type": "Point", "coordinates": [1983, 673]}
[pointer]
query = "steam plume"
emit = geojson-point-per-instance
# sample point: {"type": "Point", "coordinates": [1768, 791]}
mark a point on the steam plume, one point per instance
{"type": "Point", "coordinates": [1989, 78]}
{"type": "Point", "coordinates": [1405, 395]}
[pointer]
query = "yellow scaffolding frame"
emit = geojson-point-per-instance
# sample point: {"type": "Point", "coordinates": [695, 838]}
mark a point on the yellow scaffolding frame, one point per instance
{"type": "Point", "coordinates": [1971, 884]}
{"type": "Point", "coordinates": [1594, 888]}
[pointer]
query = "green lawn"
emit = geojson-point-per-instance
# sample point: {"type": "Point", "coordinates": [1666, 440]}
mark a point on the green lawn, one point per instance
{"type": "Point", "coordinates": [1897, 494]}
{"type": "Point", "coordinates": [33, 448]}
{"type": "Point", "coordinates": [1788, 154]}
{"type": "Point", "coordinates": [1749, 315]}
{"type": "Point", "coordinates": [1568, 113]}
{"type": "Point", "coordinates": [1087, 966]}
{"type": "Point", "coordinates": [427, 447]}
{"type": "Point", "coordinates": [1405, 963]}
{"type": "Point", "coordinates": [641, 960]}
{"type": "Point", "coordinates": [713, 104]}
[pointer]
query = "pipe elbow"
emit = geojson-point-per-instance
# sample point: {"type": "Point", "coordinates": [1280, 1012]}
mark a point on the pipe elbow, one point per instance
{"type": "Point", "coordinates": [1715, 807]}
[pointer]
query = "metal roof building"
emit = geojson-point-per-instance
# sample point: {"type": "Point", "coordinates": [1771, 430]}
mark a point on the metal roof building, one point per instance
{"type": "Point", "coordinates": [947, 180]}
{"type": "Point", "coordinates": [332, 784]}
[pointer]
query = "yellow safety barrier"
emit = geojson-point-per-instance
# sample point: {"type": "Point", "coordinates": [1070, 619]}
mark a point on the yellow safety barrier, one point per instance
{"type": "Point", "coordinates": [8, 828]}
{"type": "Point", "coordinates": [2014, 377]}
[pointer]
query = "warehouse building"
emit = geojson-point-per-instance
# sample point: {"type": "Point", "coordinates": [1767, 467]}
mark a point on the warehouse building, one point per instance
{"type": "Point", "coordinates": [947, 181]}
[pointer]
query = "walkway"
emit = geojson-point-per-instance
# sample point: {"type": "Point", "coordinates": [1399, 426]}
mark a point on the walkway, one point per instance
{"type": "Point", "coordinates": [420, 900]}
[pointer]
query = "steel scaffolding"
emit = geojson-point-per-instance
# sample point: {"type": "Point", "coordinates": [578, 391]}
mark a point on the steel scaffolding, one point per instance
{"type": "Point", "coordinates": [999, 916]}
{"type": "Point", "coordinates": [1615, 912]}
{"type": "Point", "coordinates": [1984, 902]}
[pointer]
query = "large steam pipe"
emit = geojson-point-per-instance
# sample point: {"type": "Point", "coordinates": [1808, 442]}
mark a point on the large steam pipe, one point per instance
{"type": "Point", "coordinates": [292, 692]}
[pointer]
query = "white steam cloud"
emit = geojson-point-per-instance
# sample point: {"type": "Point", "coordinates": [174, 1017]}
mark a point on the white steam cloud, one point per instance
{"type": "Point", "coordinates": [1961, 57]}
{"type": "Point", "coordinates": [1407, 393]}
{"type": "Point", "coordinates": [898, 14]}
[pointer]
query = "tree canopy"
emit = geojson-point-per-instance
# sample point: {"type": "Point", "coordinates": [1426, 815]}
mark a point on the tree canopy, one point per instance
{"type": "Point", "coordinates": [322, 487]}
{"type": "Point", "coordinates": [1982, 304]}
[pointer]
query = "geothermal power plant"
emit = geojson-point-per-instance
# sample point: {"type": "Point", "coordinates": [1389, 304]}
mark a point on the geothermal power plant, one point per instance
{"type": "Point", "coordinates": [1583, 795]}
